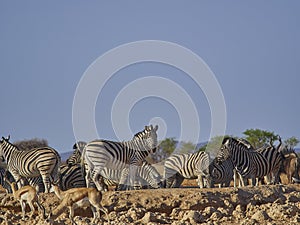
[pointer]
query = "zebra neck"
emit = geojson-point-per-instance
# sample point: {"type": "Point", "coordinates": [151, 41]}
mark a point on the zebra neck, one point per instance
{"type": "Point", "coordinates": [136, 145]}
{"type": "Point", "coordinates": [8, 149]}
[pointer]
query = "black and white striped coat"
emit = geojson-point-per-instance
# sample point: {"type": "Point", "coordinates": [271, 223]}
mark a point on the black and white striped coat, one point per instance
{"type": "Point", "coordinates": [187, 166]}
{"type": "Point", "coordinates": [100, 154]}
{"type": "Point", "coordinates": [222, 173]}
{"type": "Point", "coordinates": [146, 177]}
{"type": "Point", "coordinates": [75, 158]}
{"type": "Point", "coordinates": [69, 177]}
{"type": "Point", "coordinates": [42, 162]}
{"type": "Point", "coordinates": [249, 164]}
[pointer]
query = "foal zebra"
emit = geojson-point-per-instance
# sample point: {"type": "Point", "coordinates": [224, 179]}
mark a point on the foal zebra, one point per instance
{"type": "Point", "coordinates": [189, 166]}
{"type": "Point", "coordinates": [147, 177]}
{"type": "Point", "coordinates": [43, 162]}
{"type": "Point", "coordinates": [247, 162]}
{"type": "Point", "coordinates": [125, 156]}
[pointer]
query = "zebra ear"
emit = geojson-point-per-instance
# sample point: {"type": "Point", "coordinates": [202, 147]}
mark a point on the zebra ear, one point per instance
{"type": "Point", "coordinates": [225, 140]}
{"type": "Point", "coordinates": [156, 128]}
{"type": "Point", "coordinates": [75, 146]}
{"type": "Point", "coordinates": [6, 139]}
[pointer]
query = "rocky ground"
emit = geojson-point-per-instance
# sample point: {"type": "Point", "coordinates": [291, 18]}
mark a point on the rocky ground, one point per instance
{"type": "Point", "coordinates": [274, 204]}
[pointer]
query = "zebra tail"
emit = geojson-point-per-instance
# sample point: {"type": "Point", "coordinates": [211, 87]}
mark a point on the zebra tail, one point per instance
{"type": "Point", "coordinates": [57, 176]}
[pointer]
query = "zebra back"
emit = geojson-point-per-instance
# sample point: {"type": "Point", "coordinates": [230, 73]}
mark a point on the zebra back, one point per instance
{"type": "Point", "coordinates": [116, 153]}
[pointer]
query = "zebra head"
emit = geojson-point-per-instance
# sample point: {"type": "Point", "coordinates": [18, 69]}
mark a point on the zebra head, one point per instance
{"type": "Point", "coordinates": [224, 152]}
{"type": "Point", "coordinates": [147, 139]}
{"type": "Point", "coordinates": [79, 145]}
{"type": "Point", "coordinates": [3, 143]}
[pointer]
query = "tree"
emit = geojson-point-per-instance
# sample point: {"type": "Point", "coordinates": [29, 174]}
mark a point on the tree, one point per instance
{"type": "Point", "coordinates": [259, 138]}
{"type": "Point", "coordinates": [168, 145]}
{"type": "Point", "coordinates": [291, 142]}
{"type": "Point", "coordinates": [186, 147]}
{"type": "Point", "coordinates": [31, 143]}
{"type": "Point", "coordinates": [213, 146]}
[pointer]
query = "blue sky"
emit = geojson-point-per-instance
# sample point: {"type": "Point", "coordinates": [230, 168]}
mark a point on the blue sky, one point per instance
{"type": "Point", "coordinates": [252, 47]}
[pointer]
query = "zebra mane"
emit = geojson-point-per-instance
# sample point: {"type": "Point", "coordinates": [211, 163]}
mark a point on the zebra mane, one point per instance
{"type": "Point", "coordinates": [239, 142]}
{"type": "Point", "coordinates": [6, 140]}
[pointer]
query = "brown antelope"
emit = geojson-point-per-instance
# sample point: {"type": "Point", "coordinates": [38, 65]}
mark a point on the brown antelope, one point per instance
{"type": "Point", "coordinates": [26, 194]}
{"type": "Point", "coordinates": [75, 198]}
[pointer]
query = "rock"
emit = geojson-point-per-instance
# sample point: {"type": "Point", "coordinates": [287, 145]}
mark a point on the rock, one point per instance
{"type": "Point", "coordinates": [216, 215]}
{"type": "Point", "coordinates": [175, 212]}
{"type": "Point", "coordinates": [260, 215]}
{"type": "Point", "coordinates": [208, 211]}
{"type": "Point", "coordinates": [148, 217]}
{"type": "Point", "coordinates": [193, 217]}
{"type": "Point", "coordinates": [136, 213]}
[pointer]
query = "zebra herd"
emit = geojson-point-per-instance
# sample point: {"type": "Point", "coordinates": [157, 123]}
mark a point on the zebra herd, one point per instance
{"type": "Point", "coordinates": [103, 163]}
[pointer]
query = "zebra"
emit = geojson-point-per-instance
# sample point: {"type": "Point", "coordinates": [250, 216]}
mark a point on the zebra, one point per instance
{"type": "Point", "coordinates": [43, 162]}
{"type": "Point", "coordinates": [275, 159]}
{"type": "Point", "coordinates": [125, 156]}
{"type": "Point", "coordinates": [147, 177]}
{"type": "Point", "coordinates": [75, 158]}
{"type": "Point", "coordinates": [247, 162]}
{"type": "Point", "coordinates": [5, 174]}
{"type": "Point", "coordinates": [222, 173]}
{"type": "Point", "coordinates": [71, 177]}
{"type": "Point", "coordinates": [188, 166]}
{"type": "Point", "coordinates": [273, 156]}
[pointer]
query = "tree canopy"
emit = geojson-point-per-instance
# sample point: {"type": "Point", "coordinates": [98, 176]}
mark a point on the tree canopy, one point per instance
{"type": "Point", "coordinates": [291, 142]}
{"type": "Point", "coordinates": [259, 138]}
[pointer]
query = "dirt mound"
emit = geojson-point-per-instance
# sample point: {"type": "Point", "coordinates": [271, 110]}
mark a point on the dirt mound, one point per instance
{"type": "Point", "coordinates": [274, 204]}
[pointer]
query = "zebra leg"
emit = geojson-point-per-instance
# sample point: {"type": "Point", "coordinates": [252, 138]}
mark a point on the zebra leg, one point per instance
{"type": "Point", "coordinates": [123, 179]}
{"type": "Point", "coordinates": [178, 181]}
{"type": "Point", "coordinates": [242, 181]}
{"type": "Point", "coordinates": [46, 181]}
{"type": "Point", "coordinates": [132, 176]}
{"type": "Point", "coordinates": [170, 181]}
{"type": "Point", "coordinates": [235, 176]}
{"type": "Point", "coordinates": [98, 180]}
{"type": "Point", "coordinates": [200, 181]}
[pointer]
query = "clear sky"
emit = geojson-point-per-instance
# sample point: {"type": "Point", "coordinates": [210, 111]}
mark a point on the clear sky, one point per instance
{"type": "Point", "coordinates": [252, 47]}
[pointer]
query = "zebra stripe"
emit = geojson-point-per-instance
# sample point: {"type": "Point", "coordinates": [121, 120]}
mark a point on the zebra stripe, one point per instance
{"type": "Point", "coordinates": [100, 154]}
{"type": "Point", "coordinates": [147, 177]}
{"type": "Point", "coordinates": [32, 163]}
{"type": "Point", "coordinates": [188, 166]}
{"type": "Point", "coordinates": [5, 174]}
{"type": "Point", "coordinates": [275, 160]}
{"type": "Point", "coordinates": [222, 173]}
{"type": "Point", "coordinates": [71, 177]}
{"type": "Point", "coordinates": [273, 156]}
{"type": "Point", "coordinates": [248, 162]}
{"type": "Point", "coordinates": [75, 158]}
